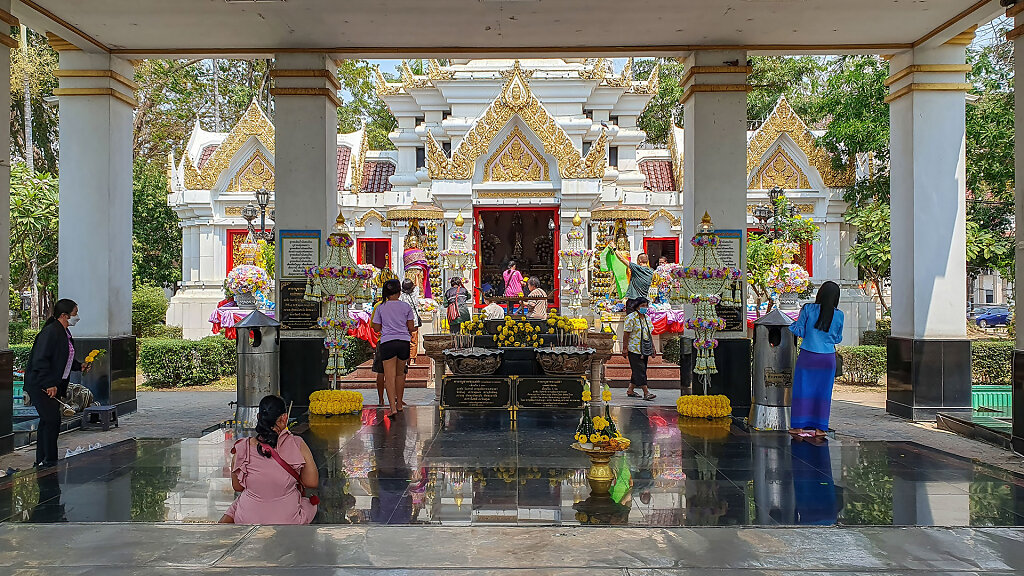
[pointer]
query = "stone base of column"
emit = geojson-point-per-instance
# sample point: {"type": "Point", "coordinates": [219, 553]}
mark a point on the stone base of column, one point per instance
{"type": "Point", "coordinates": [928, 376]}
{"type": "Point", "coordinates": [303, 362]}
{"type": "Point", "coordinates": [112, 377]}
{"type": "Point", "coordinates": [1017, 435]}
{"type": "Point", "coordinates": [733, 379]}
{"type": "Point", "coordinates": [6, 408]}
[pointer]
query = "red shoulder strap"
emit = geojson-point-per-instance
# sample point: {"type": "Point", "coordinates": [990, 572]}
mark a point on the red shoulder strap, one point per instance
{"type": "Point", "coordinates": [277, 458]}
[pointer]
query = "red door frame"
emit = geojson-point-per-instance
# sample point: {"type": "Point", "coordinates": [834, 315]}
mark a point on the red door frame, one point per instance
{"type": "Point", "coordinates": [232, 233]}
{"type": "Point", "coordinates": [673, 239]}
{"type": "Point", "coordinates": [476, 242]}
{"type": "Point", "coordinates": [806, 250]}
{"type": "Point", "coordinates": [361, 241]}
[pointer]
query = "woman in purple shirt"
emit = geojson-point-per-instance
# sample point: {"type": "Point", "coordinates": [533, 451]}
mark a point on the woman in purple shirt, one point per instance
{"type": "Point", "coordinates": [395, 320]}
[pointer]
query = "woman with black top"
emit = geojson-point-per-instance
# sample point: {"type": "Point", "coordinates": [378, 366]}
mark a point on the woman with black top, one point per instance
{"type": "Point", "coordinates": [458, 297]}
{"type": "Point", "coordinates": [50, 364]}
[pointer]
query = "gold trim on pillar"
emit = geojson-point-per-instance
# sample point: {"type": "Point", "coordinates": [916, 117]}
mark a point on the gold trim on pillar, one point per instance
{"type": "Point", "coordinates": [714, 70]}
{"type": "Point", "coordinates": [97, 74]}
{"type": "Point", "coordinates": [964, 38]}
{"type": "Point", "coordinates": [9, 19]}
{"type": "Point", "coordinates": [926, 68]}
{"type": "Point", "coordinates": [8, 40]}
{"type": "Point", "coordinates": [59, 44]}
{"type": "Point", "coordinates": [689, 92]}
{"type": "Point", "coordinates": [928, 87]}
{"type": "Point", "coordinates": [1014, 10]}
{"type": "Point", "coordinates": [325, 92]}
{"type": "Point", "coordinates": [325, 74]}
{"type": "Point", "coordinates": [96, 92]}
{"type": "Point", "coordinates": [1016, 32]}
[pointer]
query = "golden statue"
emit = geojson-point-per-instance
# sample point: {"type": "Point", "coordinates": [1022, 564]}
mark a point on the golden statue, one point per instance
{"type": "Point", "coordinates": [414, 258]}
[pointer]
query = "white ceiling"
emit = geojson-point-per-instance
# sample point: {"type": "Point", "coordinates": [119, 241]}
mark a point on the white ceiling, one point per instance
{"type": "Point", "coordinates": [400, 26]}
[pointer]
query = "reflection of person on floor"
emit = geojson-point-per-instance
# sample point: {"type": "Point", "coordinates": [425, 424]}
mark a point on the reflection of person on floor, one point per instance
{"type": "Point", "coordinates": [821, 327]}
{"type": "Point", "coordinates": [638, 338]}
{"type": "Point", "coordinates": [643, 480]}
{"type": "Point", "coordinates": [268, 470]}
{"type": "Point", "coordinates": [392, 502]}
{"type": "Point", "coordinates": [49, 508]}
{"type": "Point", "coordinates": [396, 322]}
{"type": "Point", "coordinates": [813, 487]}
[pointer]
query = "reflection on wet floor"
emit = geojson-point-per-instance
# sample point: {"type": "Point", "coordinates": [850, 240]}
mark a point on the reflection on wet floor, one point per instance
{"type": "Point", "coordinates": [466, 468]}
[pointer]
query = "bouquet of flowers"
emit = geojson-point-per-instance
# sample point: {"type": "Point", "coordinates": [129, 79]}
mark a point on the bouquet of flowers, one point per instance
{"type": "Point", "coordinates": [514, 334]}
{"type": "Point", "coordinates": [789, 278]}
{"type": "Point", "coordinates": [247, 278]}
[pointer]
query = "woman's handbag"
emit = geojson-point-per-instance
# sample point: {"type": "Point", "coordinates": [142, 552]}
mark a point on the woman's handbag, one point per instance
{"type": "Point", "coordinates": [453, 312]}
{"type": "Point", "coordinates": [314, 499]}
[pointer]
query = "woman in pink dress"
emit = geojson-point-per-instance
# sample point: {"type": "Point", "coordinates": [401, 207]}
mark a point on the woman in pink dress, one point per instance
{"type": "Point", "coordinates": [513, 284]}
{"type": "Point", "coordinates": [269, 493]}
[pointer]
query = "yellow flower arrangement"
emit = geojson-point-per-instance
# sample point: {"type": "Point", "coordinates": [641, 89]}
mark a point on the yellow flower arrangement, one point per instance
{"type": "Point", "coordinates": [92, 356]}
{"type": "Point", "coordinates": [705, 428]}
{"type": "Point", "coordinates": [606, 394]}
{"type": "Point", "coordinates": [514, 334]}
{"type": "Point", "coordinates": [586, 395]}
{"type": "Point", "coordinates": [704, 406]}
{"type": "Point", "coordinates": [323, 402]}
{"type": "Point", "coordinates": [474, 326]}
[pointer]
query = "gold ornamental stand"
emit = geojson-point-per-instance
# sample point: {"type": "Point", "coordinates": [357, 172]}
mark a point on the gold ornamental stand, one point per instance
{"type": "Point", "coordinates": [600, 474]}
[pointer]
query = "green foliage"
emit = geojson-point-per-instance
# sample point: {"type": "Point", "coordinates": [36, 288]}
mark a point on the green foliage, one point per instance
{"type": "Point", "coordinates": [879, 336]}
{"type": "Point", "coordinates": [34, 217]}
{"type": "Point", "coordinates": [149, 308]}
{"type": "Point", "coordinates": [21, 352]}
{"type": "Point", "coordinates": [269, 258]}
{"type": "Point", "coordinates": [664, 107]}
{"type": "Point", "coordinates": [853, 100]}
{"type": "Point", "coordinates": [16, 332]}
{"type": "Point", "coordinates": [357, 352]}
{"type": "Point", "coordinates": [991, 362]}
{"type": "Point", "coordinates": [869, 483]}
{"type": "Point", "coordinates": [363, 106]}
{"type": "Point", "coordinates": [156, 235]}
{"type": "Point", "coordinates": [162, 331]}
{"type": "Point", "coordinates": [170, 363]}
{"type": "Point", "coordinates": [872, 251]}
{"type": "Point", "coordinates": [862, 365]}
{"type": "Point", "coordinates": [37, 64]}
{"type": "Point", "coordinates": [761, 256]}
{"type": "Point", "coordinates": [151, 484]}
{"type": "Point", "coordinates": [670, 349]}
{"type": "Point", "coordinates": [228, 350]}
{"type": "Point", "coordinates": [795, 77]}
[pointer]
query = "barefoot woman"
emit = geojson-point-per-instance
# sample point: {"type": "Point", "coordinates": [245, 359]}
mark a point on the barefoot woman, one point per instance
{"type": "Point", "coordinates": [821, 327]}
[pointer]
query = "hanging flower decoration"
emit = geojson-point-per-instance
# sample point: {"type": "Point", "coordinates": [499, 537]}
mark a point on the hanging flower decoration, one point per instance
{"type": "Point", "coordinates": [704, 241]}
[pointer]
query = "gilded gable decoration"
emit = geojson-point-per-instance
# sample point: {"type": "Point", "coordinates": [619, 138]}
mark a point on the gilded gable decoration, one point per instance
{"type": "Point", "coordinates": [625, 80]}
{"type": "Point", "coordinates": [257, 173]}
{"type": "Point", "coordinates": [516, 99]}
{"type": "Point", "coordinates": [516, 160]}
{"type": "Point", "coordinates": [675, 148]}
{"type": "Point", "coordinates": [783, 120]}
{"type": "Point", "coordinates": [410, 80]}
{"type": "Point", "coordinates": [594, 69]}
{"type": "Point", "coordinates": [779, 170]}
{"type": "Point", "coordinates": [650, 86]}
{"type": "Point", "coordinates": [436, 72]}
{"type": "Point", "coordinates": [170, 172]}
{"type": "Point", "coordinates": [371, 213]}
{"type": "Point", "coordinates": [359, 164]}
{"type": "Point", "coordinates": [382, 86]}
{"type": "Point", "coordinates": [662, 213]}
{"type": "Point", "coordinates": [254, 123]}
{"type": "Point", "coordinates": [190, 176]}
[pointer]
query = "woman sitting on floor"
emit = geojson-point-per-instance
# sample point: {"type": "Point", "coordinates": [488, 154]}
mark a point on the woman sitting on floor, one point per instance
{"type": "Point", "coordinates": [272, 471]}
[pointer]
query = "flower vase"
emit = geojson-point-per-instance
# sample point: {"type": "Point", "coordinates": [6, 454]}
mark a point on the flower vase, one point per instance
{"type": "Point", "coordinates": [787, 301]}
{"type": "Point", "coordinates": [245, 300]}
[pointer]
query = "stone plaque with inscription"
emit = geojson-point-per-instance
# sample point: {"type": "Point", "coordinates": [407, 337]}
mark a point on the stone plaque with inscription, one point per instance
{"type": "Point", "coordinates": [735, 318]}
{"type": "Point", "coordinates": [294, 311]}
{"type": "Point", "coordinates": [550, 392]}
{"type": "Point", "coordinates": [300, 250]}
{"type": "Point", "coordinates": [469, 392]}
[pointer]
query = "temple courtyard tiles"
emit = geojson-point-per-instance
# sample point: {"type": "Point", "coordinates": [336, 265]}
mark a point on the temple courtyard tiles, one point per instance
{"type": "Point", "coordinates": [486, 468]}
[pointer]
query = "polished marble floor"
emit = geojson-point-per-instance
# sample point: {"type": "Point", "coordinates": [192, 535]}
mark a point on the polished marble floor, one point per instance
{"type": "Point", "coordinates": [480, 468]}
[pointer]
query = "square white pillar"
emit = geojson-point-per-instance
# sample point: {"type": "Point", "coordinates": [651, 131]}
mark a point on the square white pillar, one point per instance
{"type": "Point", "coordinates": [1017, 35]}
{"type": "Point", "coordinates": [95, 241]}
{"type": "Point", "coordinates": [6, 357]}
{"type": "Point", "coordinates": [929, 369]}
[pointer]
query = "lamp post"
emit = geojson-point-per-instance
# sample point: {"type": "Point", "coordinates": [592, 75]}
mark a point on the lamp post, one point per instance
{"type": "Point", "coordinates": [250, 212]}
{"type": "Point", "coordinates": [765, 212]}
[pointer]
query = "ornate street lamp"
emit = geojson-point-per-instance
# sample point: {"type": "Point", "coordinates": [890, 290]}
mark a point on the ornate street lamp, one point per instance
{"type": "Point", "coordinates": [765, 212]}
{"type": "Point", "coordinates": [250, 212]}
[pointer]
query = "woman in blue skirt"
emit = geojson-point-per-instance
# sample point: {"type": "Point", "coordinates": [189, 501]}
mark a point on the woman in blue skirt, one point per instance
{"type": "Point", "coordinates": [821, 327]}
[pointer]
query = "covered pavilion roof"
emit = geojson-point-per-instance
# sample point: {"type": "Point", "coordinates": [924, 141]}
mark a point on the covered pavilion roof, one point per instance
{"type": "Point", "coordinates": [454, 28]}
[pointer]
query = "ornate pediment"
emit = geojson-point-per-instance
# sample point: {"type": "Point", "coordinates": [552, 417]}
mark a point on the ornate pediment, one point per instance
{"type": "Point", "coordinates": [779, 170]}
{"type": "Point", "coordinates": [257, 173]}
{"type": "Point", "coordinates": [662, 213]}
{"type": "Point", "coordinates": [516, 160]}
{"type": "Point", "coordinates": [371, 213]}
{"type": "Point", "coordinates": [516, 99]}
{"type": "Point", "coordinates": [783, 120]}
{"type": "Point", "coordinates": [253, 124]}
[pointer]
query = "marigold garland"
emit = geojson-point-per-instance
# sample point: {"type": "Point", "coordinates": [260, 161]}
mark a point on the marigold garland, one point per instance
{"type": "Point", "coordinates": [324, 402]}
{"type": "Point", "coordinates": [698, 406]}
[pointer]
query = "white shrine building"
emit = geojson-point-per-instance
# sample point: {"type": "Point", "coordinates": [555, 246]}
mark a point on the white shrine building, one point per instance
{"type": "Point", "coordinates": [522, 146]}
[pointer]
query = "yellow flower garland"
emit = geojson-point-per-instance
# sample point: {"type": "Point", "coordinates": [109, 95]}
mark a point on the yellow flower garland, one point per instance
{"type": "Point", "coordinates": [706, 428]}
{"type": "Point", "coordinates": [325, 402]}
{"type": "Point", "coordinates": [704, 406]}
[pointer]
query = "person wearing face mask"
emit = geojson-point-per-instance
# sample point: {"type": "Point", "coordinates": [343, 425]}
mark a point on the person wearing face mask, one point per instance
{"type": "Point", "coordinates": [638, 335]}
{"type": "Point", "coordinates": [50, 364]}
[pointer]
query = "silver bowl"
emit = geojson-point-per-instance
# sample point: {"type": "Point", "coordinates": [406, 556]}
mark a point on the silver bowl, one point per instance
{"type": "Point", "coordinates": [473, 361]}
{"type": "Point", "coordinates": [565, 360]}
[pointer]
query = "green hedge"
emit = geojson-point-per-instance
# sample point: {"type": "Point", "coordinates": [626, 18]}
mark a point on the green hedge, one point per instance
{"type": "Point", "coordinates": [149, 308]}
{"type": "Point", "coordinates": [991, 362]}
{"type": "Point", "coordinates": [670, 350]}
{"type": "Point", "coordinates": [21, 352]}
{"type": "Point", "coordinates": [862, 364]}
{"type": "Point", "coordinates": [162, 331]}
{"type": "Point", "coordinates": [228, 349]}
{"type": "Point", "coordinates": [880, 335]}
{"type": "Point", "coordinates": [170, 363]}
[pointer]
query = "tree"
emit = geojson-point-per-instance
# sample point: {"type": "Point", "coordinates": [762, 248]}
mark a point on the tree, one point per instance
{"type": "Point", "coordinates": [665, 107]}
{"type": "Point", "coordinates": [853, 102]}
{"type": "Point", "coordinates": [34, 216]}
{"type": "Point", "coordinates": [765, 252]}
{"type": "Point", "coordinates": [796, 77]}
{"type": "Point", "coordinates": [156, 236]}
{"type": "Point", "coordinates": [363, 106]}
{"type": "Point", "coordinates": [872, 252]}
{"type": "Point", "coordinates": [35, 62]}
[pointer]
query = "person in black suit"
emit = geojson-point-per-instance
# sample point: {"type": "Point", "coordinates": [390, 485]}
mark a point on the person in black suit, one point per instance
{"type": "Point", "coordinates": [46, 377]}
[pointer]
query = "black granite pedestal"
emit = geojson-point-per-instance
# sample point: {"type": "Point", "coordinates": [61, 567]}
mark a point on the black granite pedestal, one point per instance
{"type": "Point", "coordinates": [303, 366]}
{"type": "Point", "coordinates": [732, 357]}
{"type": "Point", "coordinates": [112, 377]}
{"type": "Point", "coordinates": [6, 407]}
{"type": "Point", "coordinates": [925, 377]}
{"type": "Point", "coordinates": [1017, 434]}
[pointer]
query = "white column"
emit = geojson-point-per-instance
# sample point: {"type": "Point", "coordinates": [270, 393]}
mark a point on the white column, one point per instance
{"type": "Point", "coordinates": [306, 142]}
{"type": "Point", "coordinates": [715, 145]}
{"type": "Point", "coordinates": [95, 241]}
{"type": "Point", "coordinates": [1017, 437]}
{"type": "Point", "coordinates": [927, 136]}
{"type": "Point", "coordinates": [5, 182]}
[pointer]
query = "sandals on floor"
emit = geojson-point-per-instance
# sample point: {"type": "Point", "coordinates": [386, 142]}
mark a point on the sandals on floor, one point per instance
{"type": "Point", "coordinates": [650, 397]}
{"type": "Point", "coordinates": [632, 394]}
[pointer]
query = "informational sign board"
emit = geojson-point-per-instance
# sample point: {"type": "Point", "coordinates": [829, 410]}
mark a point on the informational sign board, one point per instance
{"type": "Point", "coordinates": [730, 253]}
{"type": "Point", "coordinates": [300, 250]}
{"type": "Point", "coordinates": [550, 392]}
{"type": "Point", "coordinates": [294, 311]}
{"type": "Point", "coordinates": [476, 392]}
